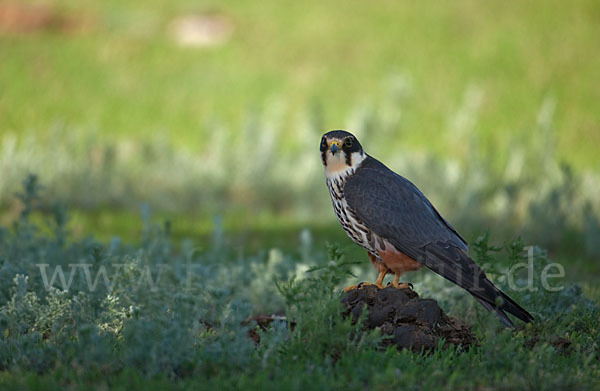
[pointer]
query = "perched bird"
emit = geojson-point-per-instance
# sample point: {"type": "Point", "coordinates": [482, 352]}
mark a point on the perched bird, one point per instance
{"type": "Point", "coordinates": [401, 230]}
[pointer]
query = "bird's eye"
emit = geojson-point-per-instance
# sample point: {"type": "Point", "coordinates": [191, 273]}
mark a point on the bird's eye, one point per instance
{"type": "Point", "coordinates": [323, 143]}
{"type": "Point", "coordinates": [348, 142]}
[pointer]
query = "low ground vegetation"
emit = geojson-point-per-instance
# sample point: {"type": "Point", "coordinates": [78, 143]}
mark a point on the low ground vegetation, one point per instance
{"type": "Point", "coordinates": [172, 314]}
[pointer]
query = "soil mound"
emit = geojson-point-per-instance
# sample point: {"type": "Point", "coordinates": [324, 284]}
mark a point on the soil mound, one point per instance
{"type": "Point", "coordinates": [411, 322]}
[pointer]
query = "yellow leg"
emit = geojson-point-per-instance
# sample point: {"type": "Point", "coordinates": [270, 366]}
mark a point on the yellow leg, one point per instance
{"type": "Point", "coordinates": [380, 278]}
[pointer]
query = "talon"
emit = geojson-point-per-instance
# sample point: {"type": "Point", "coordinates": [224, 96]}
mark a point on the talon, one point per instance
{"type": "Point", "coordinates": [378, 283]}
{"type": "Point", "coordinates": [364, 284]}
{"type": "Point", "coordinates": [353, 287]}
{"type": "Point", "coordinates": [405, 285]}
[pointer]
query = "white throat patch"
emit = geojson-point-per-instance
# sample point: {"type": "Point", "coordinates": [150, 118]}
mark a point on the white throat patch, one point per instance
{"type": "Point", "coordinates": [337, 166]}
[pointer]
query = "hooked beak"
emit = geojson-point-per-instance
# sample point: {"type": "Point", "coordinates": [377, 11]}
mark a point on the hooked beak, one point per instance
{"type": "Point", "coordinates": [334, 147]}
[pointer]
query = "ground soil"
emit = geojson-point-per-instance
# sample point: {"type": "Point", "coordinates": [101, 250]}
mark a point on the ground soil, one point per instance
{"type": "Point", "coordinates": [409, 321]}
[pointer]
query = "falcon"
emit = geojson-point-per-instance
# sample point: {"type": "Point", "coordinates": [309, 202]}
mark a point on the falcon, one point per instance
{"type": "Point", "coordinates": [401, 230]}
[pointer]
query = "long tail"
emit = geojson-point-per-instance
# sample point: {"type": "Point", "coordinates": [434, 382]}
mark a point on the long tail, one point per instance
{"type": "Point", "coordinates": [455, 265]}
{"type": "Point", "coordinates": [512, 307]}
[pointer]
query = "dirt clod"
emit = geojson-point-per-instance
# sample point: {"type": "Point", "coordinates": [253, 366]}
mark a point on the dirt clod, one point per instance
{"type": "Point", "coordinates": [411, 322]}
{"type": "Point", "coordinates": [18, 18]}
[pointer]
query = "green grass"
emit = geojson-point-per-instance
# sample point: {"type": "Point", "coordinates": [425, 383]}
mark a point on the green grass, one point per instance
{"type": "Point", "coordinates": [255, 233]}
{"type": "Point", "coordinates": [479, 104]}
{"type": "Point", "coordinates": [123, 76]}
{"type": "Point", "coordinates": [182, 333]}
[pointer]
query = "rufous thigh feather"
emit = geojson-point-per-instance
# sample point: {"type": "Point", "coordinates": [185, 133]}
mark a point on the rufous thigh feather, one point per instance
{"type": "Point", "coordinates": [378, 265]}
{"type": "Point", "coordinates": [398, 262]}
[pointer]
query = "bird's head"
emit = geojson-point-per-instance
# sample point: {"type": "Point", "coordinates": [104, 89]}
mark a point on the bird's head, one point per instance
{"type": "Point", "coordinates": [340, 152]}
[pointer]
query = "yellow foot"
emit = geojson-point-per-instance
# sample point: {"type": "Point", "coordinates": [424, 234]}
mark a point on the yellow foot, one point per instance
{"type": "Point", "coordinates": [361, 285]}
{"type": "Point", "coordinates": [396, 283]}
{"type": "Point", "coordinates": [404, 285]}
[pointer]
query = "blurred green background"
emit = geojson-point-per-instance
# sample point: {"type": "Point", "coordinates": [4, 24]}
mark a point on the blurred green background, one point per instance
{"type": "Point", "coordinates": [209, 114]}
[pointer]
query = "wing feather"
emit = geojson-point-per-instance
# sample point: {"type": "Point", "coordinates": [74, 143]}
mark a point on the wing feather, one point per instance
{"type": "Point", "coordinates": [396, 210]}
